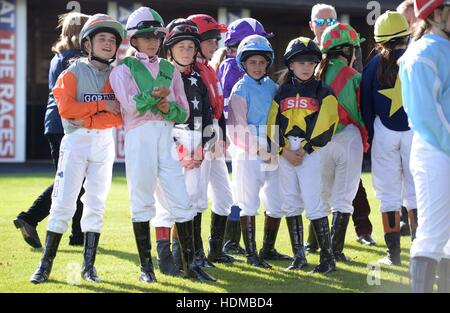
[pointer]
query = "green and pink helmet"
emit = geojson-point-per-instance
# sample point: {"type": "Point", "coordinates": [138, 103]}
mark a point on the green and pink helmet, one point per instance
{"type": "Point", "coordinates": [145, 21]}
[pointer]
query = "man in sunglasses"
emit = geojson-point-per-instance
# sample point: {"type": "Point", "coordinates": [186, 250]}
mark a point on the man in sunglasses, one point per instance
{"type": "Point", "coordinates": [322, 16]}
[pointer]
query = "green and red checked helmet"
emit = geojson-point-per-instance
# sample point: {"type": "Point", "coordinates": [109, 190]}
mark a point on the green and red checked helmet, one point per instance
{"type": "Point", "coordinates": [145, 21]}
{"type": "Point", "coordinates": [339, 34]}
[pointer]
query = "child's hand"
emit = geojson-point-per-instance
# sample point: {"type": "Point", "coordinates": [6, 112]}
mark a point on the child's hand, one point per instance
{"type": "Point", "coordinates": [188, 163]}
{"type": "Point", "coordinates": [160, 92]}
{"type": "Point", "coordinates": [294, 157]}
{"type": "Point", "coordinates": [163, 105]}
{"type": "Point", "coordinates": [112, 106]}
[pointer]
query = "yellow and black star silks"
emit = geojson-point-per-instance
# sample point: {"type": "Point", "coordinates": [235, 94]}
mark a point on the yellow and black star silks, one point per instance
{"type": "Point", "coordinates": [305, 110]}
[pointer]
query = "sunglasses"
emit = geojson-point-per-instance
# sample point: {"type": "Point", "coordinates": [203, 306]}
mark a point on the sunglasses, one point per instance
{"type": "Point", "coordinates": [321, 21]}
{"type": "Point", "coordinates": [146, 24]}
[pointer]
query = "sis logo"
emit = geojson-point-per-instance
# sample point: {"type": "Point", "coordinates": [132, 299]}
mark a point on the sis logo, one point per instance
{"type": "Point", "coordinates": [299, 103]}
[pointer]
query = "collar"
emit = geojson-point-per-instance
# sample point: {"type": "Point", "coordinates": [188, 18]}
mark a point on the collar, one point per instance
{"type": "Point", "coordinates": [93, 67]}
{"type": "Point", "coordinates": [202, 60]}
{"type": "Point", "coordinates": [297, 82]}
{"type": "Point", "coordinates": [249, 79]}
{"type": "Point", "coordinates": [145, 58]}
{"type": "Point", "coordinates": [337, 61]}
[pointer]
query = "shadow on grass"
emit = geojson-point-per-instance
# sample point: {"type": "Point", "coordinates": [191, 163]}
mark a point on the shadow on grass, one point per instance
{"type": "Point", "coordinates": [349, 277]}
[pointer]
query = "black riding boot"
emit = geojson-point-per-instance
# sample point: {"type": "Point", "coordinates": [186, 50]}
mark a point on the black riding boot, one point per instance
{"type": "Point", "coordinates": [422, 273]}
{"type": "Point", "coordinates": [338, 230]}
{"type": "Point", "coordinates": [185, 233]}
{"type": "Point", "coordinates": [322, 230]}
{"type": "Point", "coordinates": [232, 238]}
{"type": "Point", "coordinates": [391, 224]}
{"type": "Point", "coordinates": [311, 246]}
{"type": "Point", "coordinates": [88, 271]}
{"type": "Point", "coordinates": [268, 251]}
{"type": "Point", "coordinates": [165, 257]}
{"type": "Point", "coordinates": [215, 253]}
{"type": "Point", "coordinates": [200, 257]}
{"type": "Point", "coordinates": [295, 228]}
{"type": "Point", "coordinates": [45, 267]}
{"type": "Point", "coordinates": [142, 235]}
{"type": "Point", "coordinates": [249, 233]}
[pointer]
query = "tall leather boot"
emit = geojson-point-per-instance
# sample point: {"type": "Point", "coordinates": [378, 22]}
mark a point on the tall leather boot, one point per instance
{"type": "Point", "coordinates": [322, 230]}
{"type": "Point", "coordinates": [391, 224]}
{"type": "Point", "coordinates": [295, 228]}
{"type": "Point", "coordinates": [142, 235]}
{"type": "Point", "coordinates": [338, 230]}
{"type": "Point", "coordinates": [404, 225]}
{"type": "Point", "coordinates": [215, 253]}
{"type": "Point", "coordinates": [249, 234]}
{"type": "Point", "coordinates": [88, 271]}
{"type": "Point", "coordinates": [422, 273]}
{"type": "Point", "coordinates": [268, 251]}
{"type": "Point", "coordinates": [186, 239]}
{"type": "Point", "coordinates": [165, 257]}
{"type": "Point", "coordinates": [200, 257]}
{"type": "Point", "coordinates": [45, 266]}
{"type": "Point", "coordinates": [176, 251]}
{"type": "Point", "coordinates": [311, 246]}
{"type": "Point", "coordinates": [412, 219]}
{"type": "Point", "coordinates": [444, 276]}
{"type": "Point", "coordinates": [232, 236]}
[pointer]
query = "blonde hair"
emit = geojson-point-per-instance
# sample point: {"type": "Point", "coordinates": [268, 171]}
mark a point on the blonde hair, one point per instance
{"type": "Point", "coordinates": [321, 6]}
{"type": "Point", "coordinates": [217, 58]}
{"type": "Point", "coordinates": [71, 25]}
{"type": "Point", "coordinates": [404, 6]}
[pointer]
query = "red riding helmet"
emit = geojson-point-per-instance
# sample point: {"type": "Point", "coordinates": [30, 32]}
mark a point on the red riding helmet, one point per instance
{"type": "Point", "coordinates": [208, 26]}
{"type": "Point", "coordinates": [423, 8]}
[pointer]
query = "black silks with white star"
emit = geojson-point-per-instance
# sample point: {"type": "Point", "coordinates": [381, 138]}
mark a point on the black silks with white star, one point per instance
{"type": "Point", "coordinates": [200, 112]}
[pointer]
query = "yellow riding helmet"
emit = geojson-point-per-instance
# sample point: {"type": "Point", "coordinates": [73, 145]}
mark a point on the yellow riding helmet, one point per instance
{"type": "Point", "coordinates": [390, 25]}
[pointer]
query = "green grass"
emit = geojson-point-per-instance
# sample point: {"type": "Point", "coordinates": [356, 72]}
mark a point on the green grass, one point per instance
{"type": "Point", "coordinates": [117, 260]}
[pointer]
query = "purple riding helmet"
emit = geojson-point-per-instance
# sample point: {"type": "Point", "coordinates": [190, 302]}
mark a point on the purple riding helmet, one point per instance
{"type": "Point", "coordinates": [242, 28]}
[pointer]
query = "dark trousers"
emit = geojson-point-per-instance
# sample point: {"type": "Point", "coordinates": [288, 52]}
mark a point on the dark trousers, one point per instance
{"type": "Point", "coordinates": [360, 216]}
{"type": "Point", "coordinates": [41, 206]}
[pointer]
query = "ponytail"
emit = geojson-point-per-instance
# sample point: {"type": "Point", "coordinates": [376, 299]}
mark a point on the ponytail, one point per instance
{"type": "Point", "coordinates": [217, 58]}
{"type": "Point", "coordinates": [284, 76]}
{"type": "Point", "coordinates": [324, 63]}
{"type": "Point", "coordinates": [387, 68]}
{"type": "Point", "coordinates": [420, 27]}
